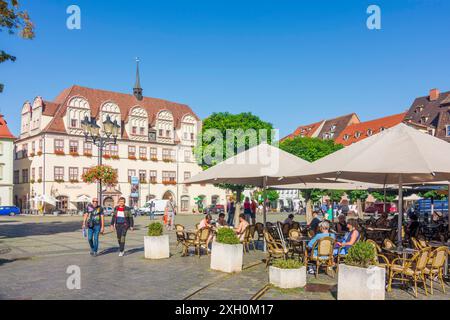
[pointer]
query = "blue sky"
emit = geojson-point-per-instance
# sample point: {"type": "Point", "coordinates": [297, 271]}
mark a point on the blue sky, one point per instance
{"type": "Point", "coordinates": [289, 62]}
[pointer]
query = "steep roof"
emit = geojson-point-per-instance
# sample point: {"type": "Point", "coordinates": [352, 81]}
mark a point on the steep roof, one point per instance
{"type": "Point", "coordinates": [304, 131]}
{"type": "Point", "coordinates": [425, 111]}
{"type": "Point", "coordinates": [126, 102]}
{"type": "Point", "coordinates": [362, 130]}
{"type": "Point", "coordinates": [336, 125]}
{"type": "Point", "coordinates": [4, 130]}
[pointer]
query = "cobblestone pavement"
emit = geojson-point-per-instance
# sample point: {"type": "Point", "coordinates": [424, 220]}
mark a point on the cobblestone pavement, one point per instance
{"type": "Point", "coordinates": [35, 253]}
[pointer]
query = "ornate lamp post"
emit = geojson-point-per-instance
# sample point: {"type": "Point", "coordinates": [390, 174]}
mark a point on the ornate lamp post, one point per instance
{"type": "Point", "coordinates": [107, 136]}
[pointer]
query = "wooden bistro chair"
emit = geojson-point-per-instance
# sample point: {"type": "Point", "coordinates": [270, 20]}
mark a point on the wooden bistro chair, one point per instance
{"type": "Point", "coordinates": [322, 254]}
{"type": "Point", "coordinates": [436, 268]}
{"type": "Point", "coordinates": [381, 260]}
{"type": "Point", "coordinates": [406, 270]}
{"type": "Point", "coordinates": [274, 248]}
{"type": "Point", "coordinates": [247, 239]}
{"type": "Point", "coordinates": [296, 247]}
{"type": "Point", "coordinates": [202, 239]}
{"type": "Point", "coordinates": [416, 244]}
{"type": "Point", "coordinates": [259, 229]}
{"type": "Point", "coordinates": [181, 235]}
{"type": "Point", "coordinates": [295, 225]}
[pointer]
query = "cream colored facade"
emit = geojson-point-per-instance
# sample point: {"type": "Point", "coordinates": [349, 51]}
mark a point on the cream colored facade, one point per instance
{"type": "Point", "coordinates": [51, 163]}
{"type": "Point", "coordinates": [6, 172]}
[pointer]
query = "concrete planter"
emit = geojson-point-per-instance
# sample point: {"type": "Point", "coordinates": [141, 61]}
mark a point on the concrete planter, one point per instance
{"type": "Point", "coordinates": [287, 278]}
{"type": "Point", "coordinates": [355, 283]}
{"type": "Point", "coordinates": [227, 257]}
{"type": "Point", "coordinates": [157, 247]}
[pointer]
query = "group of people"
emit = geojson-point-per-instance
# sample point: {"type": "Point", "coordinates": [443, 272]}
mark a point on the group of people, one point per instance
{"type": "Point", "coordinates": [251, 208]}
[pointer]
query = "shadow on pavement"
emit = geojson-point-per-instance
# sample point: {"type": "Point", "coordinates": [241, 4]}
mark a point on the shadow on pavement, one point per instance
{"type": "Point", "coordinates": [38, 229]}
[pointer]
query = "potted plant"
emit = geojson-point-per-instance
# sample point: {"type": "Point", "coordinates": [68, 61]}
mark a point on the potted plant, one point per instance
{"type": "Point", "coordinates": [287, 274]}
{"type": "Point", "coordinates": [358, 277]}
{"type": "Point", "coordinates": [156, 244]}
{"type": "Point", "coordinates": [227, 252]}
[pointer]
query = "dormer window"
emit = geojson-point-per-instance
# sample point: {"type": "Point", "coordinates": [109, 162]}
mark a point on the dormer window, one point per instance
{"type": "Point", "coordinates": [134, 130]}
{"type": "Point", "coordinates": [382, 129]}
{"type": "Point", "coordinates": [423, 120]}
{"type": "Point", "coordinates": [419, 109]}
{"type": "Point", "coordinates": [333, 127]}
{"type": "Point", "coordinates": [142, 131]}
{"type": "Point", "coordinates": [369, 132]}
{"type": "Point", "coordinates": [346, 137]}
{"type": "Point", "coordinates": [357, 134]}
{"type": "Point", "coordinates": [73, 123]}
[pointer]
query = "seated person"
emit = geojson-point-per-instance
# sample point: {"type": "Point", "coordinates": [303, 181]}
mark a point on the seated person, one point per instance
{"type": "Point", "coordinates": [412, 228]}
{"type": "Point", "coordinates": [289, 219]}
{"type": "Point", "coordinates": [206, 223]}
{"type": "Point", "coordinates": [240, 230]}
{"type": "Point", "coordinates": [314, 225]}
{"type": "Point", "coordinates": [383, 221]}
{"type": "Point", "coordinates": [350, 238]}
{"type": "Point", "coordinates": [436, 217]}
{"type": "Point", "coordinates": [324, 231]}
{"type": "Point", "coordinates": [221, 222]}
{"type": "Point", "coordinates": [341, 225]}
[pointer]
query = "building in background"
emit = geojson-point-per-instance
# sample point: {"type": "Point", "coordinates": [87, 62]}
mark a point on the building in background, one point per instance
{"type": "Point", "coordinates": [6, 164]}
{"type": "Point", "coordinates": [431, 114]}
{"type": "Point", "coordinates": [359, 131]}
{"type": "Point", "coordinates": [155, 145]}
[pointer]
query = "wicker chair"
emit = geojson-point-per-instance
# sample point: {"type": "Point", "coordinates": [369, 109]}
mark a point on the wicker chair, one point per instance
{"type": "Point", "coordinates": [197, 226]}
{"type": "Point", "coordinates": [436, 268]}
{"type": "Point", "coordinates": [410, 269]}
{"type": "Point", "coordinates": [274, 248]}
{"type": "Point", "coordinates": [285, 229]}
{"type": "Point", "coordinates": [296, 247]}
{"type": "Point", "coordinates": [295, 225]}
{"type": "Point", "coordinates": [324, 249]}
{"type": "Point", "coordinates": [201, 240]}
{"type": "Point", "coordinates": [416, 244]}
{"type": "Point", "coordinates": [247, 239]}
{"type": "Point", "coordinates": [180, 232]}
{"type": "Point", "coordinates": [259, 228]}
{"type": "Point", "coordinates": [381, 260]}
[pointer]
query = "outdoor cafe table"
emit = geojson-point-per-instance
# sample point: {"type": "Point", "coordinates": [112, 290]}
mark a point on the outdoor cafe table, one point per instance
{"type": "Point", "coordinates": [403, 252]}
{"type": "Point", "coordinates": [378, 233]}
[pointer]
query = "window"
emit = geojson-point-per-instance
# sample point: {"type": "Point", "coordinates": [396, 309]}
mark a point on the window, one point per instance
{"type": "Point", "coordinates": [160, 132]}
{"type": "Point", "coordinates": [114, 150]}
{"type": "Point", "coordinates": [369, 132]}
{"type": "Point", "coordinates": [73, 174]}
{"type": "Point", "coordinates": [87, 148]}
{"type": "Point", "coordinates": [40, 173]}
{"type": "Point", "coordinates": [25, 150]}
{"type": "Point", "coordinates": [357, 134]}
{"type": "Point", "coordinates": [169, 176]}
{"type": "Point", "coordinates": [33, 174]}
{"type": "Point", "coordinates": [152, 136]}
{"type": "Point", "coordinates": [187, 155]}
{"type": "Point", "coordinates": [142, 152]}
{"type": "Point", "coordinates": [346, 137]}
{"type": "Point", "coordinates": [134, 130]}
{"type": "Point", "coordinates": [131, 151]}
{"type": "Point", "coordinates": [192, 136]}
{"type": "Point", "coordinates": [153, 153]}
{"type": "Point", "coordinates": [168, 155]}
{"type": "Point", "coordinates": [73, 146]}
{"type": "Point", "coordinates": [184, 203]}
{"type": "Point", "coordinates": [185, 136]}
{"type": "Point", "coordinates": [33, 147]}
{"type": "Point", "coordinates": [16, 176]}
{"type": "Point", "coordinates": [73, 123]}
{"type": "Point", "coordinates": [142, 131]}
{"type": "Point", "coordinates": [40, 145]}
{"type": "Point", "coordinates": [131, 173]}
{"type": "Point", "coordinates": [168, 133]}
{"type": "Point", "coordinates": [85, 170]}
{"type": "Point", "coordinates": [153, 176]}
{"type": "Point", "coordinates": [59, 173]}
{"type": "Point", "coordinates": [142, 176]}
{"type": "Point", "coordinates": [187, 175]}
{"type": "Point", "coordinates": [333, 127]}
{"type": "Point", "coordinates": [25, 176]}
{"type": "Point", "coordinates": [448, 131]}
{"type": "Point", "coordinates": [59, 145]}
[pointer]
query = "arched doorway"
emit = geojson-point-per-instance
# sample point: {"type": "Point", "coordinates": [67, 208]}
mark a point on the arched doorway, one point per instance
{"type": "Point", "coordinates": [167, 195]}
{"type": "Point", "coordinates": [62, 203]}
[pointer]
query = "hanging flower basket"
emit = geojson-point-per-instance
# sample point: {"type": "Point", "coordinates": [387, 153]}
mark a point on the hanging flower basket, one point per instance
{"type": "Point", "coordinates": [105, 174]}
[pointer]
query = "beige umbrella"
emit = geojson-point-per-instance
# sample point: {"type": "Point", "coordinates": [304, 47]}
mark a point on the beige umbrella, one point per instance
{"type": "Point", "coordinates": [261, 166]}
{"type": "Point", "coordinates": [398, 155]}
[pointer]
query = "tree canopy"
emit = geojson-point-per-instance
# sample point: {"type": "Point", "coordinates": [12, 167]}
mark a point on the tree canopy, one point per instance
{"type": "Point", "coordinates": [13, 20]}
{"type": "Point", "coordinates": [240, 124]}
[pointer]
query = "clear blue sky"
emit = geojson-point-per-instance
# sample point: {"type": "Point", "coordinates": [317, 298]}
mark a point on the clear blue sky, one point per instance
{"type": "Point", "coordinates": [289, 62]}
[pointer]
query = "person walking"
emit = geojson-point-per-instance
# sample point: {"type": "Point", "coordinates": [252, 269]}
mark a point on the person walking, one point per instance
{"type": "Point", "coordinates": [122, 220]}
{"type": "Point", "coordinates": [248, 210]}
{"type": "Point", "coordinates": [231, 211]}
{"type": "Point", "coordinates": [254, 207]}
{"type": "Point", "coordinates": [94, 221]}
{"type": "Point", "coordinates": [152, 210]}
{"type": "Point", "coordinates": [170, 213]}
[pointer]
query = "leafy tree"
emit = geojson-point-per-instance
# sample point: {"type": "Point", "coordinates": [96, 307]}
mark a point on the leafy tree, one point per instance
{"type": "Point", "coordinates": [433, 195]}
{"type": "Point", "coordinates": [335, 195]}
{"type": "Point", "coordinates": [310, 149]}
{"type": "Point", "coordinates": [14, 21]}
{"type": "Point", "coordinates": [355, 195]}
{"type": "Point", "coordinates": [390, 195]}
{"type": "Point", "coordinates": [223, 122]}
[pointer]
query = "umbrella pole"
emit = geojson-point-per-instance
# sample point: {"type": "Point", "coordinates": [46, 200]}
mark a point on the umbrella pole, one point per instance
{"type": "Point", "coordinates": [400, 211]}
{"type": "Point", "coordinates": [264, 208]}
{"type": "Point", "coordinates": [448, 206]}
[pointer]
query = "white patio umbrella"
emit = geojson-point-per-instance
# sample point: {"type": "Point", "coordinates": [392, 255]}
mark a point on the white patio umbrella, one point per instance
{"type": "Point", "coordinates": [261, 166]}
{"type": "Point", "coordinates": [82, 199]}
{"type": "Point", "coordinates": [398, 155]}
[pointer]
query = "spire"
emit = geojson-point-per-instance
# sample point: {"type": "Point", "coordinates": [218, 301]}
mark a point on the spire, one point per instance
{"type": "Point", "coordinates": [137, 90]}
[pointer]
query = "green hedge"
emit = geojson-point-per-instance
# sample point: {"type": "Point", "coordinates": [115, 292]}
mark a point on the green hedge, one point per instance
{"type": "Point", "coordinates": [361, 254]}
{"type": "Point", "coordinates": [287, 264]}
{"type": "Point", "coordinates": [227, 236]}
{"type": "Point", "coordinates": [155, 229]}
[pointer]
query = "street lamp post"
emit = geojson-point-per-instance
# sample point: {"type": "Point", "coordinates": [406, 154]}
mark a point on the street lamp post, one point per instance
{"type": "Point", "coordinates": [107, 136]}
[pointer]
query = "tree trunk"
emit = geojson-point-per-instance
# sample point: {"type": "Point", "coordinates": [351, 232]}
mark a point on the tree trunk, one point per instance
{"type": "Point", "coordinates": [309, 210]}
{"type": "Point", "coordinates": [238, 207]}
{"type": "Point", "coordinates": [359, 208]}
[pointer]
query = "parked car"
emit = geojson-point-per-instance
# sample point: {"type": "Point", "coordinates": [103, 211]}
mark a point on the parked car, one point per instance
{"type": "Point", "coordinates": [9, 211]}
{"type": "Point", "coordinates": [159, 206]}
{"type": "Point", "coordinates": [215, 209]}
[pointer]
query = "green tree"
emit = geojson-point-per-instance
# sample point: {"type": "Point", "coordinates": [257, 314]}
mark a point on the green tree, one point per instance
{"type": "Point", "coordinates": [14, 21]}
{"type": "Point", "coordinates": [335, 195]}
{"type": "Point", "coordinates": [358, 196]}
{"type": "Point", "coordinates": [222, 122]}
{"type": "Point", "coordinates": [390, 195]}
{"type": "Point", "coordinates": [310, 149]}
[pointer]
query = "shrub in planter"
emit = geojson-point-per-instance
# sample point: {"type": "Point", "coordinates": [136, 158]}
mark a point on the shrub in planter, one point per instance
{"type": "Point", "coordinates": [287, 274]}
{"type": "Point", "coordinates": [227, 252]}
{"type": "Point", "coordinates": [358, 278]}
{"type": "Point", "coordinates": [156, 245]}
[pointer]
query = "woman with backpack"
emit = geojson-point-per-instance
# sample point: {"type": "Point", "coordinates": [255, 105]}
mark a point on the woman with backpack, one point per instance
{"type": "Point", "coordinates": [94, 221]}
{"type": "Point", "coordinates": [122, 220]}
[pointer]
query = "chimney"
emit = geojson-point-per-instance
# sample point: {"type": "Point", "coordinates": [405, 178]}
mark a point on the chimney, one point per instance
{"type": "Point", "coordinates": [434, 94]}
